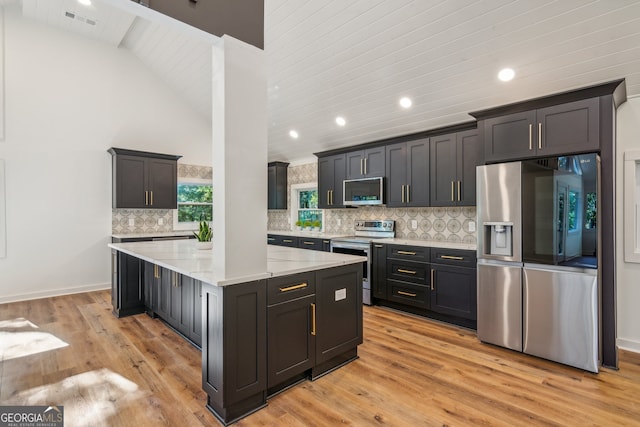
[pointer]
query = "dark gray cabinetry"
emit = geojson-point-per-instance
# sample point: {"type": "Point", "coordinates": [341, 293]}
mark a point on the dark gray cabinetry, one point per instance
{"type": "Point", "coordinates": [331, 173]}
{"type": "Point", "coordinates": [366, 163]}
{"type": "Point", "coordinates": [572, 127]}
{"type": "Point", "coordinates": [143, 180]}
{"type": "Point", "coordinates": [453, 283]}
{"type": "Point", "coordinates": [407, 172]}
{"type": "Point", "coordinates": [151, 287]}
{"type": "Point", "coordinates": [291, 333]}
{"type": "Point", "coordinates": [281, 240]}
{"type": "Point", "coordinates": [379, 270]}
{"type": "Point", "coordinates": [408, 275]}
{"type": "Point", "coordinates": [314, 243]}
{"type": "Point", "coordinates": [454, 158]}
{"type": "Point", "coordinates": [277, 185]}
{"type": "Point", "coordinates": [127, 293]}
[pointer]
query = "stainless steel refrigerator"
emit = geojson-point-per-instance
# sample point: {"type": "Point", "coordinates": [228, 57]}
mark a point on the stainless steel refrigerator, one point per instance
{"type": "Point", "coordinates": [538, 258]}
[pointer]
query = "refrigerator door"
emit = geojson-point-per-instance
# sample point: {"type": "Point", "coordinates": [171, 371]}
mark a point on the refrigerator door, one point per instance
{"type": "Point", "coordinates": [500, 304]}
{"type": "Point", "coordinates": [561, 315]}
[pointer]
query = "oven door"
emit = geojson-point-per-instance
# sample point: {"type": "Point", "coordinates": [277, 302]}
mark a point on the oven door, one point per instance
{"type": "Point", "coordinates": [358, 249]}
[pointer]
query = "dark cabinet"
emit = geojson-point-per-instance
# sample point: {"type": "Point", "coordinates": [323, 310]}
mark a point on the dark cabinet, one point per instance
{"type": "Point", "coordinates": [453, 283]}
{"type": "Point", "coordinates": [314, 243]}
{"type": "Point", "coordinates": [379, 270]}
{"type": "Point", "coordinates": [568, 128]}
{"type": "Point", "coordinates": [366, 163]}
{"type": "Point", "coordinates": [331, 174]}
{"type": "Point", "coordinates": [151, 287]}
{"type": "Point", "coordinates": [277, 185]}
{"type": "Point", "coordinates": [407, 172]}
{"type": "Point", "coordinates": [281, 240]}
{"type": "Point", "coordinates": [127, 293]}
{"type": "Point", "coordinates": [143, 180]}
{"type": "Point", "coordinates": [291, 334]}
{"type": "Point", "coordinates": [408, 277]}
{"type": "Point", "coordinates": [454, 158]}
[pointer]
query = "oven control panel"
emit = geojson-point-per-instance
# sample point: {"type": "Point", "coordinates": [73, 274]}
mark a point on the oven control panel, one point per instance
{"type": "Point", "coordinates": [374, 225]}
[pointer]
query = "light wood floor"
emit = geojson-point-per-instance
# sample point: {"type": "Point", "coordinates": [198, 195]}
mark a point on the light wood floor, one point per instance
{"type": "Point", "coordinates": [137, 372]}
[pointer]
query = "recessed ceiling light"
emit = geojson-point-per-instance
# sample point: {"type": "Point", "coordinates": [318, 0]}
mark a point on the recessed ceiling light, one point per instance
{"type": "Point", "coordinates": [293, 134]}
{"type": "Point", "coordinates": [85, 2]}
{"type": "Point", "coordinates": [341, 121]}
{"type": "Point", "coordinates": [405, 102]}
{"type": "Point", "coordinates": [506, 74]}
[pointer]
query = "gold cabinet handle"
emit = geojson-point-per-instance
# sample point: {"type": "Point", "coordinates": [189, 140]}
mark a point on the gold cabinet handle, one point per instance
{"type": "Point", "coordinates": [309, 243]}
{"type": "Point", "coordinates": [452, 190]}
{"type": "Point", "coordinates": [402, 270]}
{"type": "Point", "coordinates": [406, 253]}
{"type": "Point", "coordinates": [408, 294]}
{"type": "Point", "coordinates": [458, 190]}
{"type": "Point", "coordinates": [331, 197]}
{"type": "Point", "coordinates": [433, 280]}
{"type": "Point", "coordinates": [326, 241]}
{"type": "Point", "coordinates": [530, 136]}
{"type": "Point", "coordinates": [287, 241]}
{"type": "Point", "coordinates": [313, 319]}
{"type": "Point", "coordinates": [155, 271]}
{"type": "Point", "coordinates": [365, 165]}
{"type": "Point", "coordinates": [328, 197]}
{"type": "Point", "coordinates": [151, 197]}
{"type": "Point", "coordinates": [408, 194]}
{"type": "Point", "coordinates": [457, 258]}
{"type": "Point", "coordinates": [294, 287]}
{"type": "Point", "coordinates": [403, 193]}
{"type": "Point", "coordinates": [378, 246]}
{"type": "Point", "coordinates": [539, 136]}
{"type": "Point", "coordinates": [269, 239]}
{"type": "Point", "coordinates": [146, 198]}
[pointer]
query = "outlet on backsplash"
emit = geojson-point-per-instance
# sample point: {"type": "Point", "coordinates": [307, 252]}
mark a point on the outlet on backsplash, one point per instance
{"type": "Point", "coordinates": [414, 224]}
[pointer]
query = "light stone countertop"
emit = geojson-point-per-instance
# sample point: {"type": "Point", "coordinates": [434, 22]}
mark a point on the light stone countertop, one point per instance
{"type": "Point", "coordinates": [429, 244]}
{"type": "Point", "coordinates": [154, 234]}
{"type": "Point", "coordinates": [313, 234]}
{"type": "Point", "coordinates": [182, 257]}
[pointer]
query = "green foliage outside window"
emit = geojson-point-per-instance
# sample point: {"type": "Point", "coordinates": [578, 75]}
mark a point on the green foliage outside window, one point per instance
{"type": "Point", "coordinates": [591, 215]}
{"type": "Point", "coordinates": [195, 202]}
{"type": "Point", "coordinates": [308, 207]}
{"type": "Point", "coordinates": [573, 210]}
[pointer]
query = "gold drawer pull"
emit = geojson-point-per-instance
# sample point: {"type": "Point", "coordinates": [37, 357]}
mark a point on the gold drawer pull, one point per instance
{"type": "Point", "coordinates": [457, 258]}
{"type": "Point", "coordinates": [309, 243]}
{"type": "Point", "coordinates": [287, 241]}
{"type": "Point", "coordinates": [402, 270]}
{"type": "Point", "coordinates": [313, 319]}
{"type": "Point", "coordinates": [408, 294]}
{"type": "Point", "coordinates": [378, 246]}
{"type": "Point", "coordinates": [270, 239]}
{"type": "Point", "coordinates": [293, 288]}
{"type": "Point", "coordinates": [406, 253]}
{"type": "Point", "coordinates": [433, 280]}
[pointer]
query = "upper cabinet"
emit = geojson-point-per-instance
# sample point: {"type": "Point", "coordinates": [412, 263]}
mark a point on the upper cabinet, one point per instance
{"type": "Point", "coordinates": [143, 180]}
{"type": "Point", "coordinates": [407, 166]}
{"type": "Point", "coordinates": [454, 158]}
{"type": "Point", "coordinates": [277, 185]}
{"type": "Point", "coordinates": [331, 173]}
{"type": "Point", "coordinates": [567, 128]}
{"type": "Point", "coordinates": [367, 163]}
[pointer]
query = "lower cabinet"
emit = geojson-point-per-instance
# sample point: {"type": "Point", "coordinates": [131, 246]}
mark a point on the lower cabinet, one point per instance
{"type": "Point", "coordinates": [433, 282]}
{"type": "Point", "coordinates": [314, 243]}
{"type": "Point", "coordinates": [127, 294]}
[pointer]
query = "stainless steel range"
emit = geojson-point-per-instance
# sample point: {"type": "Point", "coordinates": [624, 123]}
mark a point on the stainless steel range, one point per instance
{"type": "Point", "coordinates": [360, 244]}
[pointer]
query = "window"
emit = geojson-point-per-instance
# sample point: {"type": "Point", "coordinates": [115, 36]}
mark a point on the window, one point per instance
{"type": "Point", "coordinates": [195, 204]}
{"type": "Point", "coordinates": [305, 205]}
{"type": "Point", "coordinates": [573, 211]}
{"type": "Point", "coordinates": [591, 214]}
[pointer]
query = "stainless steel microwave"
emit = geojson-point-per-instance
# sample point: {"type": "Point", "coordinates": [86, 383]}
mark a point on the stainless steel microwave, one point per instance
{"type": "Point", "coordinates": [363, 192]}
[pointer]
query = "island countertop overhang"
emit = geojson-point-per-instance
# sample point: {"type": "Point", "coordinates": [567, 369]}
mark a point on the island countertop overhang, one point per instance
{"type": "Point", "coordinates": [183, 257]}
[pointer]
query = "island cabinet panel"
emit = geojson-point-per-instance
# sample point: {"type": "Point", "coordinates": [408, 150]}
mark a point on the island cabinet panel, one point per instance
{"type": "Point", "coordinates": [151, 287]}
{"type": "Point", "coordinates": [195, 324]}
{"type": "Point", "coordinates": [127, 293]}
{"type": "Point", "coordinates": [234, 349]}
{"type": "Point", "coordinates": [338, 315]}
{"type": "Point", "coordinates": [379, 270]}
{"type": "Point", "coordinates": [332, 172]}
{"type": "Point", "coordinates": [569, 128]}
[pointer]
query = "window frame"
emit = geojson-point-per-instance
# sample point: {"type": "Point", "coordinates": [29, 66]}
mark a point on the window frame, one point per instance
{"type": "Point", "coordinates": [192, 225]}
{"type": "Point", "coordinates": [294, 199]}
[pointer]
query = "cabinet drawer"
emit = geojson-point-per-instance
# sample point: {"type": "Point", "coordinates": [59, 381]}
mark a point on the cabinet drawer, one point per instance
{"type": "Point", "coordinates": [287, 288]}
{"type": "Point", "coordinates": [411, 253]}
{"type": "Point", "coordinates": [414, 272]}
{"type": "Point", "coordinates": [310, 243]}
{"type": "Point", "coordinates": [408, 293]}
{"type": "Point", "coordinates": [280, 240]}
{"type": "Point", "coordinates": [458, 257]}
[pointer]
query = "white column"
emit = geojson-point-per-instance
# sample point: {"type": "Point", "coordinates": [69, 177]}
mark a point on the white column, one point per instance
{"type": "Point", "coordinates": [239, 159]}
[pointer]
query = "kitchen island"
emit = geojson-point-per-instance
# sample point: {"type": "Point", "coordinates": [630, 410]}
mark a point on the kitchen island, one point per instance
{"type": "Point", "coordinates": [259, 333]}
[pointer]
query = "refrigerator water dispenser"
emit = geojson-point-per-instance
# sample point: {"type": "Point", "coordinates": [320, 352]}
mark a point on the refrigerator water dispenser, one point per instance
{"type": "Point", "coordinates": [498, 238]}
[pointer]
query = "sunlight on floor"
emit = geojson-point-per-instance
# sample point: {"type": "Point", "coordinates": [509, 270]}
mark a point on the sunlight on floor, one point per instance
{"type": "Point", "coordinates": [89, 399]}
{"type": "Point", "coordinates": [19, 337]}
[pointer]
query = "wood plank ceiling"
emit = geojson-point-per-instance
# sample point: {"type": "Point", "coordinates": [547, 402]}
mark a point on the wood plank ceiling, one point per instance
{"type": "Point", "coordinates": [356, 59]}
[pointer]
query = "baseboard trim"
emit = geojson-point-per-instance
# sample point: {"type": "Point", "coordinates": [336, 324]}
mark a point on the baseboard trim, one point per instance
{"type": "Point", "coordinates": [54, 293]}
{"type": "Point", "coordinates": [629, 345]}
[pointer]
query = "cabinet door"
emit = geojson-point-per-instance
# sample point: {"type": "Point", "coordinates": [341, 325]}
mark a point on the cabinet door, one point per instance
{"type": "Point", "coordinates": [339, 175]}
{"type": "Point", "coordinates": [128, 297]}
{"type": "Point", "coordinates": [163, 307]}
{"type": "Point", "coordinates": [175, 300]}
{"type": "Point", "coordinates": [396, 158]}
{"type": "Point", "coordinates": [467, 159]}
{"type": "Point", "coordinates": [453, 291]}
{"type": "Point", "coordinates": [444, 177]}
{"type": "Point", "coordinates": [374, 162]}
{"type": "Point", "coordinates": [569, 128]}
{"type": "Point", "coordinates": [151, 286]}
{"type": "Point", "coordinates": [355, 164]}
{"type": "Point", "coordinates": [195, 332]}
{"type": "Point", "coordinates": [338, 311]}
{"type": "Point", "coordinates": [290, 339]}
{"type": "Point", "coordinates": [277, 186]}
{"type": "Point", "coordinates": [162, 183]}
{"type": "Point", "coordinates": [185, 313]}
{"type": "Point", "coordinates": [509, 137]}
{"type": "Point", "coordinates": [129, 182]}
{"type": "Point", "coordinates": [378, 270]}
{"type": "Point", "coordinates": [331, 173]}
{"type": "Point", "coordinates": [418, 173]}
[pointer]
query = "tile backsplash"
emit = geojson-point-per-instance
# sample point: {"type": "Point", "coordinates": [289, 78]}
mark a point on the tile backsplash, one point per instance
{"type": "Point", "coordinates": [452, 224]}
{"type": "Point", "coordinates": [130, 221]}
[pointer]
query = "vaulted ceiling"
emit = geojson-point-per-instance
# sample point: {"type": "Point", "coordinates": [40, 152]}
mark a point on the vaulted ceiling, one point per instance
{"type": "Point", "coordinates": [355, 59]}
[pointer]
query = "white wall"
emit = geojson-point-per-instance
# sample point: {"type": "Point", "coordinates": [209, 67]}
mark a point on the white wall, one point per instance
{"type": "Point", "coordinates": [628, 274]}
{"type": "Point", "coordinates": [68, 99]}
